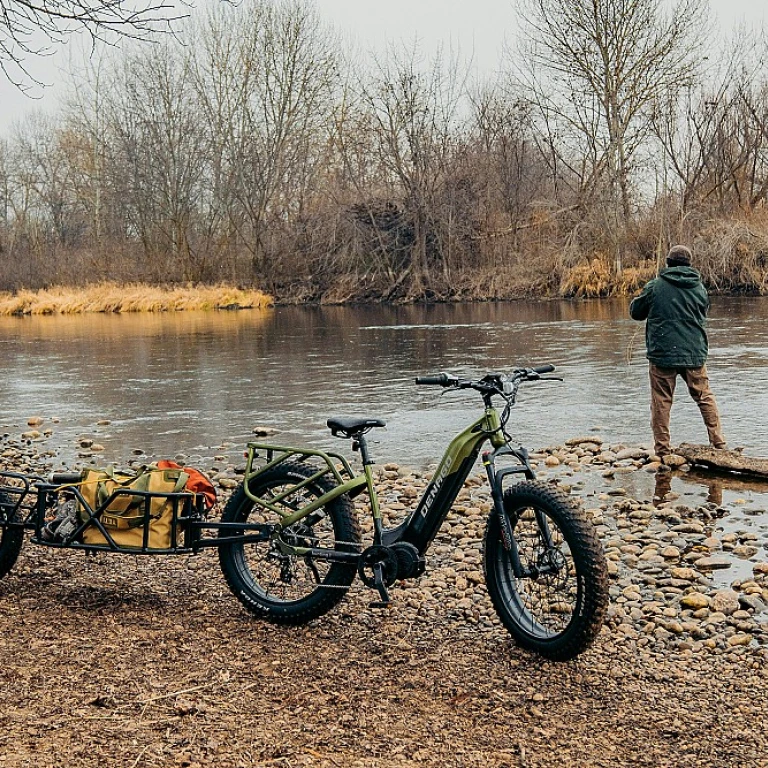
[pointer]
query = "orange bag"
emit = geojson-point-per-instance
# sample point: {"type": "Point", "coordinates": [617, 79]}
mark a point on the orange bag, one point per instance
{"type": "Point", "coordinates": [197, 483]}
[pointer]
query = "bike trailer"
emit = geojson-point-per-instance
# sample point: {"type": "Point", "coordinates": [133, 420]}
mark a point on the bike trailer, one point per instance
{"type": "Point", "coordinates": [127, 514]}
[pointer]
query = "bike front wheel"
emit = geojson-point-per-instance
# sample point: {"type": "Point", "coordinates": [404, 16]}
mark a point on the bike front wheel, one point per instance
{"type": "Point", "coordinates": [550, 589]}
{"type": "Point", "coordinates": [271, 582]}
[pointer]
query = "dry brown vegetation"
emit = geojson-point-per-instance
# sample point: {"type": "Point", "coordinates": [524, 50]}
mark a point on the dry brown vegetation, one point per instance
{"type": "Point", "coordinates": [404, 181]}
{"type": "Point", "coordinates": [111, 297]}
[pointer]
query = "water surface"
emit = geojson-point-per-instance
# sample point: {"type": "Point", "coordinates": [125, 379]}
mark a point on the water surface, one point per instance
{"type": "Point", "coordinates": [188, 382]}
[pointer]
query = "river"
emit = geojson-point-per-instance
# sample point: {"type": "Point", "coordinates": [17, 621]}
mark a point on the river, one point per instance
{"type": "Point", "coordinates": [190, 383]}
{"type": "Point", "coordinates": [194, 385]}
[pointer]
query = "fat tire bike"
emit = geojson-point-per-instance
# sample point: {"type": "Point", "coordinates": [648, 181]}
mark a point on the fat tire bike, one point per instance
{"type": "Point", "coordinates": [291, 546]}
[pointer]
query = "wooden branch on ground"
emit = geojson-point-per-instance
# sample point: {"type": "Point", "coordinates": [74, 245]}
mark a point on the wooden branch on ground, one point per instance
{"type": "Point", "coordinates": [724, 460]}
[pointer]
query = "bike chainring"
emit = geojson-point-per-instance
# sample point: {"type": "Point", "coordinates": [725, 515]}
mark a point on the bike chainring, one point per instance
{"type": "Point", "coordinates": [373, 556]}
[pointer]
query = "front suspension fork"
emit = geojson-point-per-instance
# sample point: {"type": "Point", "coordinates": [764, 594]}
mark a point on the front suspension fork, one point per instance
{"type": "Point", "coordinates": [496, 483]}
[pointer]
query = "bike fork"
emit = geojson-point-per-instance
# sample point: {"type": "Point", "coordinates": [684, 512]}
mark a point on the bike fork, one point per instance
{"type": "Point", "coordinates": [497, 495]}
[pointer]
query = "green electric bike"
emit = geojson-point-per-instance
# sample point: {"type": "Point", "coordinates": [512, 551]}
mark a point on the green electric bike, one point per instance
{"type": "Point", "coordinates": [290, 544]}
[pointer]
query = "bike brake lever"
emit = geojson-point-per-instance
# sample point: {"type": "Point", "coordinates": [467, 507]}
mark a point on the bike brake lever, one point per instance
{"type": "Point", "coordinates": [551, 378]}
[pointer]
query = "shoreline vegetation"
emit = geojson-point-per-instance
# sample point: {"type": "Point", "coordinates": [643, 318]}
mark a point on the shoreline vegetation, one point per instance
{"type": "Point", "coordinates": [593, 279]}
{"type": "Point", "coordinates": [133, 297]}
{"type": "Point", "coordinates": [399, 178]}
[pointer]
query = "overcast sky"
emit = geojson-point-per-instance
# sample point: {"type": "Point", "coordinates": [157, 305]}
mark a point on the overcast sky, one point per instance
{"type": "Point", "coordinates": [477, 27]}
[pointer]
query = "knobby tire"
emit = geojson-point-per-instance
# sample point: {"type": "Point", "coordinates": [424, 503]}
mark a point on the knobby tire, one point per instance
{"type": "Point", "coordinates": [10, 543]}
{"type": "Point", "coordinates": [280, 588]}
{"type": "Point", "coordinates": [556, 610]}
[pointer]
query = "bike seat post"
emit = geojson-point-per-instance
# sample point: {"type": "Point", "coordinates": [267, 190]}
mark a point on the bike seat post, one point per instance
{"type": "Point", "coordinates": [360, 443]}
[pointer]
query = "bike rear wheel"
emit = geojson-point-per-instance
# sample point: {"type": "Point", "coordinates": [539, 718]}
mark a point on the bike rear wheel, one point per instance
{"type": "Point", "coordinates": [286, 588]}
{"type": "Point", "coordinates": [556, 605]}
{"type": "Point", "coordinates": [11, 540]}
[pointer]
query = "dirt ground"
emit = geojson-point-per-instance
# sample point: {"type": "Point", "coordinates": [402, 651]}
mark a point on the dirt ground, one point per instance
{"type": "Point", "coordinates": [128, 662]}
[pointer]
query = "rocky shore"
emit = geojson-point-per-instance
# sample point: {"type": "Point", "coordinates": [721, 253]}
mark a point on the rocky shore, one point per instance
{"type": "Point", "coordinates": [677, 677]}
{"type": "Point", "coordinates": [663, 555]}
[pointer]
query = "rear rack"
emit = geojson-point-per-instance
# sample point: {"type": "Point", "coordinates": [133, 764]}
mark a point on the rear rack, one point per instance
{"type": "Point", "coordinates": [326, 463]}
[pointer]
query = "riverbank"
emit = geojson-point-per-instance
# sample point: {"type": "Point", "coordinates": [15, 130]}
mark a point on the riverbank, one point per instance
{"type": "Point", "coordinates": [130, 297]}
{"type": "Point", "coordinates": [172, 672]}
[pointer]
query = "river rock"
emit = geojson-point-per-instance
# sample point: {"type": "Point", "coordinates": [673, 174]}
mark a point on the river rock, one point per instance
{"type": "Point", "coordinates": [685, 574]}
{"type": "Point", "coordinates": [752, 603]}
{"type": "Point", "coordinates": [673, 460]}
{"type": "Point", "coordinates": [34, 421]}
{"type": "Point", "coordinates": [670, 553]}
{"type": "Point", "coordinates": [725, 601]}
{"type": "Point", "coordinates": [631, 453]}
{"type": "Point", "coordinates": [695, 601]}
{"type": "Point", "coordinates": [262, 431]}
{"type": "Point", "coordinates": [574, 441]}
{"type": "Point", "coordinates": [744, 551]}
{"type": "Point", "coordinates": [712, 563]}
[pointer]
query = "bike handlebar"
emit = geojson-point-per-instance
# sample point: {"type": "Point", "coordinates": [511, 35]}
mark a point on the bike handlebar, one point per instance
{"type": "Point", "coordinates": [449, 380]}
{"type": "Point", "coordinates": [439, 380]}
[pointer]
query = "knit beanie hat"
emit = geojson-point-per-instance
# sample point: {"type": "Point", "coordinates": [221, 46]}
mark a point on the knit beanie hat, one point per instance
{"type": "Point", "coordinates": [679, 256]}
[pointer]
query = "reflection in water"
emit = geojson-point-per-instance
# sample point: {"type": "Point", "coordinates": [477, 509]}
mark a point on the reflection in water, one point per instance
{"type": "Point", "coordinates": [187, 382]}
{"type": "Point", "coordinates": [713, 483]}
{"type": "Point", "coordinates": [40, 328]}
{"type": "Point", "coordinates": [662, 488]}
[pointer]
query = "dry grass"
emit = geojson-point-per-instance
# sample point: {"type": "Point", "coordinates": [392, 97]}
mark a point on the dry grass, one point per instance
{"type": "Point", "coordinates": [596, 279]}
{"type": "Point", "coordinates": [113, 297]}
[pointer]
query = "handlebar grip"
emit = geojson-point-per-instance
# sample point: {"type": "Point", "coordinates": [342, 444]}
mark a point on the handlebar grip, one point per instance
{"type": "Point", "coordinates": [64, 478]}
{"type": "Point", "coordinates": [435, 380]}
{"type": "Point", "coordinates": [544, 369]}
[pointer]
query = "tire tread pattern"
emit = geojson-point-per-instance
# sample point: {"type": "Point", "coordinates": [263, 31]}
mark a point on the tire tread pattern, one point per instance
{"type": "Point", "coordinates": [588, 554]}
{"type": "Point", "coordinates": [339, 577]}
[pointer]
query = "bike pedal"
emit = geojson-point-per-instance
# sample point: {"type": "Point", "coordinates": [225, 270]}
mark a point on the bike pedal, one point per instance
{"type": "Point", "coordinates": [380, 604]}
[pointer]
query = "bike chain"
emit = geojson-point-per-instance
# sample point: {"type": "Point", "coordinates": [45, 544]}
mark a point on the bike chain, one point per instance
{"type": "Point", "coordinates": [357, 585]}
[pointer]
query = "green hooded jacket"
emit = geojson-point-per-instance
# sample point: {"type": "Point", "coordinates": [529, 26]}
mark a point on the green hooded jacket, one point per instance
{"type": "Point", "coordinates": [674, 306]}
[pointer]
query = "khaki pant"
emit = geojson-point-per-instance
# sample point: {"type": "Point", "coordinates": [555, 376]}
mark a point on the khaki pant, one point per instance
{"type": "Point", "coordinates": [662, 392]}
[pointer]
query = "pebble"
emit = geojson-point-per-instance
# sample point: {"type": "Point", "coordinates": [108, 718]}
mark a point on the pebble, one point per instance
{"type": "Point", "coordinates": [661, 558]}
{"type": "Point", "coordinates": [695, 601]}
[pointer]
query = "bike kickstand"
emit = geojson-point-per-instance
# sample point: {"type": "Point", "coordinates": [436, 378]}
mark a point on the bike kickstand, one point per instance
{"type": "Point", "coordinates": [378, 577]}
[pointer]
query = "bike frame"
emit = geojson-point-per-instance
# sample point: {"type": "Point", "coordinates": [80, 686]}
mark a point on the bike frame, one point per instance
{"type": "Point", "coordinates": [422, 524]}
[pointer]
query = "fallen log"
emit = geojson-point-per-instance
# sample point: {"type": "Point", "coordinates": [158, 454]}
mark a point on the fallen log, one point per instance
{"type": "Point", "coordinates": [722, 459]}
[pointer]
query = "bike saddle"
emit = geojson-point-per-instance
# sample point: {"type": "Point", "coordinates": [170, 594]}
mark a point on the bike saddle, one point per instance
{"type": "Point", "coordinates": [348, 426]}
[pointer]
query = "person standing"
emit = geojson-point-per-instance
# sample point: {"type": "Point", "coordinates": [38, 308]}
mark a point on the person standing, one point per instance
{"type": "Point", "coordinates": [674, 306]}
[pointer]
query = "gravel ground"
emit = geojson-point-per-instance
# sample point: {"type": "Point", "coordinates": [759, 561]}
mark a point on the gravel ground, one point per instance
{"type": "Point", "coordinates": [125, 661]}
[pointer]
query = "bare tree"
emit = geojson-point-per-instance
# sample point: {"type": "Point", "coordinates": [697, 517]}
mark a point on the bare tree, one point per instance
{"type": "Point", "coordinates": [413, 114]}
{"type": "Point", "coordinates": [30, 28]}
{"type": "Point", "coordinates": [266, 76]}
{"type": "Point", "coordinates": [599, 67]}
{"type": "Point", "coordinates": [716, 137]}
